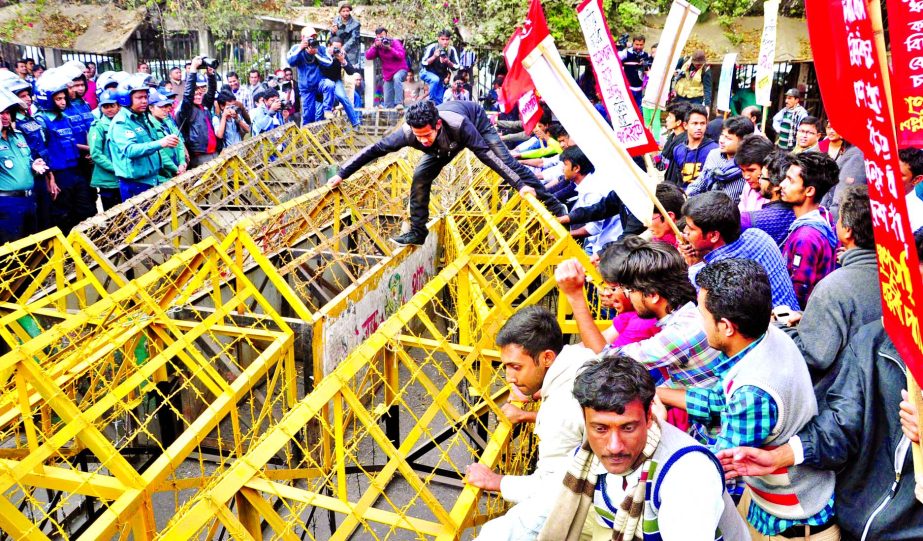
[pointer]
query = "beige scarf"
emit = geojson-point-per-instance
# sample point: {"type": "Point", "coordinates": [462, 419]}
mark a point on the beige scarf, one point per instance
{"type": "Point", "coordinates": [565, 523]}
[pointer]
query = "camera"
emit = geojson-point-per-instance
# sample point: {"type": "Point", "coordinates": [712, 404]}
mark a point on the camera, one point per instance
{"type": "Point", "coordinates": [459, 84]}
{"type": "Point", "coordinates": [336, 51]}
{"type": "Point", "coordinates": [313, 42]}
{"type": "Point", "coordinates": [443, 53]}
{"type": "Point", "coordinates": [623, 40]}
{"type": "Point", "coordinates": [209, 62]}
{"type": "Point", "coordinates": [285, 104]}
{"type": "Point", "coordinates": [386, 41]}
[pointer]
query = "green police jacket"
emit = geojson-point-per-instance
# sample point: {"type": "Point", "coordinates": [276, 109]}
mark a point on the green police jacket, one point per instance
{"type": "Point", "coordinates": [171, 158]}
{"type": "Point", "coordinates": [15, 162]}
{"type": "Point", "coordinates": [134, 147]}
{"type": "Point", "coordinates": [103, 170]}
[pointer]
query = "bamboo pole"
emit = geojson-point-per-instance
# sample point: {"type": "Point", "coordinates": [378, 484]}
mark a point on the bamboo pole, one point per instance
{"type": "Point", "coordinates": [550, 53]}
{"type": "Point", "coordinates": [913, 389]}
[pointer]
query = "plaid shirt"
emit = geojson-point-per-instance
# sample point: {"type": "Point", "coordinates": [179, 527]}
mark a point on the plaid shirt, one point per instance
{"type": "Point", "coordinates": [755, 244]}
{"type": "Point", "coordinates": [682, 348]}
{"type": "Point", "coordinates": [746, 420]}
{"type": "Point", "coordinates": [719, 173]}
{"type": "Point", "coordinates": [810, 253]}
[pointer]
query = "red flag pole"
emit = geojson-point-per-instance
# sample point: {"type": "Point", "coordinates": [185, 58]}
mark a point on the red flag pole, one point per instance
{"type": "Point", "coordinates": [913, 388]}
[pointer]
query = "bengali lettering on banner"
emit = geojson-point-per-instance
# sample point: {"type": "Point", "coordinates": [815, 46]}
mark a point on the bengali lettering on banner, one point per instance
{"type": "Point", "coordinates": [726, 82]}
{"type": "Point", "coordinates": [766, 60]}
{"type": "Point", "coordinates": [852, 88]}
{"type": "Point", "coordinates": [905, 26]}
{"type": "Point", "coordinates": [626, 119]}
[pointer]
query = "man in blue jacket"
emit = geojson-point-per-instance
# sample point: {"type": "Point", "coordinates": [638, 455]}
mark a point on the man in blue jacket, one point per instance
{"type": "Point", "coordinates": [308, 57]}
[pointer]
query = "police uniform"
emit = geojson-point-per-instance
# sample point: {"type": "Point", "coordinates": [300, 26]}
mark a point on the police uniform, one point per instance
{"type": "Point", "coordinates": [135, 151]}
{"type": "Point", "coordinates": [17, 201]}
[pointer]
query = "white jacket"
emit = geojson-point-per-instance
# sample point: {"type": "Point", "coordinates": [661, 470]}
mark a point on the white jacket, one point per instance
{"type": "Point", "coordinates": [558, 424]}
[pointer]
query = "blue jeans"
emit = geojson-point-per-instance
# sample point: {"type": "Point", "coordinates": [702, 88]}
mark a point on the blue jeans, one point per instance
{"type": "Point", "coordinates": [129, 188]}
{"type": "Point", "coordinates": [394, 89]}
{"type": "Point", "coordinates": [436, 86]}
{"type": "Point", "coordinates": [309, 110]}
{"type": "Point", "coordinates": [17, 217]}
{"type": "Point", "coordinates": [336, 92]}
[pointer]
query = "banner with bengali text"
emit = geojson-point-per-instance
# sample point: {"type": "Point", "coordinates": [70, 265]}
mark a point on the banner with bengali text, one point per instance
{"type": "Point", "coordinates": [765, 63]}
{"type": "Point", "coordinates": [626, 119]}
{"type": "Point", "coordinates": [851, 85]}
{"type": "Point", "coordinates": [905, 26]}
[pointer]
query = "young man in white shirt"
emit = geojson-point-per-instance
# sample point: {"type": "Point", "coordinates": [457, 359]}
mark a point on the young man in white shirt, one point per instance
{"type": "Point", "coordinates": [537, 363]}
{"type": "Point", "coordinates": [590, 190]}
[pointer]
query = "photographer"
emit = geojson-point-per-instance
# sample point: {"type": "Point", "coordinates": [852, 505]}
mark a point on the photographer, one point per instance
{"type": "Point", "coordinates": [393, 66]}
{"type": "Point", "coordinates": [230, 119]}
{"type": "Point", "coordinates": [439, 59]}
{"type": "Point", "coordinates": [332, 84]}
{"type": "Point", "coordinates": [636, 63]}
{"type": "Point", "coordinates": [457, 91]}
{"type": "Point", "coordinates": [193, 116]}
{"type": "Point", "coordinates": [346, 27]}
{"type": "Point", "coordinates": [267, 115]}
{"type": "Point", "coordinates": [308, 57]}
{"type": "Point", "coordinates": [289, 95]}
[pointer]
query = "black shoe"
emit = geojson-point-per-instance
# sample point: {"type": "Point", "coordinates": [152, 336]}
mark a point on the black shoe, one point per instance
{"type": "Point", "coordinates": [410, 237]}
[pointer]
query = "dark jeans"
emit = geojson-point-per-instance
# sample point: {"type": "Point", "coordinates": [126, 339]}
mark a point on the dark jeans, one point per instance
{"type": "Point", "coordinates": [130, 188]}
{"type": "Point", "coordinates": [17, 217]}
{"type": "Point", "coordinates": [75, 203]}
{"type": "Point", "coordinates": [110, 197]}
{"type": "Point", "coordinates": [428, 169]}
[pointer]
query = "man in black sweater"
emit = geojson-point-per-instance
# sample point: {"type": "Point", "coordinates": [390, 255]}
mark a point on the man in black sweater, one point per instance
{"type": "Point", "coordinates": [441, 133]}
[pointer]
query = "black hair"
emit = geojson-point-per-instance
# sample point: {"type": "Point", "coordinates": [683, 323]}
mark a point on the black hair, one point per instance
{"type": "Point", "coordinates": [547, 117]}
{"type": "Point", "coordinates": [754, 149]}
{"type": "Point", "coordinates": [271, 93]}
{"type": "Point", "coordinates": [577, 158]}
{"type": "Point", "coordinates": [638, 37]}
{"type": "Point", "coordinates": [380, 29]}
{"type": "Point", "coordinates": [811, 121]}
{"type": "Point", "coordinates": [755, 111]}
{"type": "Point", "coordinates": [39, 67]}
{"type": "Point", "coordinates": [444, 32]}
{"type": "Point", "coordinates": [422, 114]}
{"type": "Point", "coordinates": [739, 126]}
{"type": "Point", "coordinates": [856, 214]}
{"type": "Point", "coordinates": [657, 267]}
{"type": "Point", "coordinates": [557, 130]}
{"type": "Point", "coordinates": [22, 61]}
{"type": "Point", "coordinates": [714, 211]}
{"type": "Point", "coordinates": [534, 329]}
{"type": "Point", "coordinates": [610, 260]}
{"type": "Point", "coordinates": [679, 109]}
{"type": "Point", "coordinates": [232, 74]}
{"type": "Point", "coordinates": [778, 163]}
{"type": "Point", "coordinates": [256, 71]}
{"type": "Point", "coordinates": [819, 170]}
{"type": "Point", "coordinates": [913, 157]}
{"type": "Point", "coordinates": [696, 109]}
{"type": "Point", "coordinates": [671, 197]}
{"type": "Point", "coordinates": [738, 290]}
{"type": "Point", "coordinates": [336, 39]}
{"type": "Point", "coordinates": [286, 70]}
{"type": "Point", "coordinates": [460, 77]}
{"type": "Point", "coordinates": [612, 382]}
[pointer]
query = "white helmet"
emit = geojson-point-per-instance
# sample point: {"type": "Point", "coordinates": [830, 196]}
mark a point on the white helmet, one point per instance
{"type": "Point", "coordinates": [74, 69]}
{"type": "Point", "coordinates": [8, 99]}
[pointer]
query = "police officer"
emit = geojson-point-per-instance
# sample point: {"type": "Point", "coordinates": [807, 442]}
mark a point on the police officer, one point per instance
{"type": "Point", "coordinates": [104, 178]}
{"type": "Point", "coordinates": [173, 160]}
{"type": "Point", "coordinates": [17, 201]}
{"type": "Point", "coordinates": [79, 113]}
{"type": "Point", "coordinates": [134, 145]}
{"type": "Point", "coordinates": [72, 198]}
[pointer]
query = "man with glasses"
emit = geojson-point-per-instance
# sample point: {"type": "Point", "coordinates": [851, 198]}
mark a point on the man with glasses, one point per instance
{"type": "Point", "coordinates": [807, 136]}
{"type": "Point", "coordinates": [654, 276]}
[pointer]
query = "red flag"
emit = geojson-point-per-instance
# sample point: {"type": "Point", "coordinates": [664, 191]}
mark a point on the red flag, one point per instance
{"type": "Point", "coordinates": [852, 87]}
{"type": "Point", "coordinates": [905, 29]}
{"type": "Point", "coordinates": [521, 43]}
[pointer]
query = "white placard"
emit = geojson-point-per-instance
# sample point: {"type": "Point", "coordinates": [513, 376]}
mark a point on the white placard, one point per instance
{"type": "Point", "coordinates": [766, 61]}
{"type": "Point", "coordinates": [676, 31]}
{"type": "Point", "coordinates": [725, 83]}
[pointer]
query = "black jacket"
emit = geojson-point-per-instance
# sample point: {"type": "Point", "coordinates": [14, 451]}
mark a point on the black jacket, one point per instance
{"type": "Point", "coordinates": [605, 208]}
{"type": "Point", "coordinates": [858, 434]}
{"type": "Point", "coordinates": [464, 125]}
{"type": "Point", "coordinates": [194, 121]}
{"type": "Point", "coordinates": [334, 71]}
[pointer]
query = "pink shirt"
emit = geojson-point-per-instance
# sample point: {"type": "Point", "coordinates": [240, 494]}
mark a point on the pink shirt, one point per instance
{"type": "Point", "coordinates": [633, 328]}
{"type": "Point", "coordinates": [751, 199]}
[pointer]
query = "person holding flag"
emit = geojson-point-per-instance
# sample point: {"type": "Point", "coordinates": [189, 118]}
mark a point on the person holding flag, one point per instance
{"type": "Point", "coordinates": [441, 132]}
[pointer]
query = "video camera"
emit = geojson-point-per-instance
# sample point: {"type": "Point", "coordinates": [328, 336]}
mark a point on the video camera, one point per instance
{"type": "Point", "coordinates": [209, 62]}
{"type": "Point", "coordinates": [623, 41]}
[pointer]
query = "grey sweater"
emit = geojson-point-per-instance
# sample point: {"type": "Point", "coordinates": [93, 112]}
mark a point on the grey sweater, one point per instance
{"type": "Point", "coordinates": [841, 303]}
{"type": "Point", "coordinates": [852, 166]}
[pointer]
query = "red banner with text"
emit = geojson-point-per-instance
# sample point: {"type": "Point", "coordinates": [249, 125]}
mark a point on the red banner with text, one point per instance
{"type": "Point", "coordinates": [905, 26]}
{"type": "Point", "coordinates": [853, 91]}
